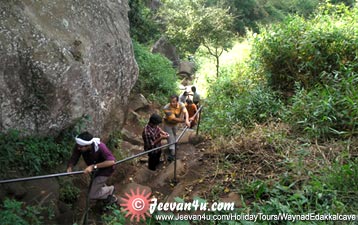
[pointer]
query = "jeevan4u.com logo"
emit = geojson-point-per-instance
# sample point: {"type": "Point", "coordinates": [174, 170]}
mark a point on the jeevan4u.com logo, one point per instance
{"type": "Point", "coordinates": [138, 205]}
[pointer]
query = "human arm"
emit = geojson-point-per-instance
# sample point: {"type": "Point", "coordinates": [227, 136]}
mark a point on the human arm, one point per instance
{"type": "Point", "coordinates": [103, 164]}
{"type": "Point", "coordinates": [187, 122]}
{"type": "Point", "coordinates": [163, 132]}
{"type": "Point", "coordinates": [194, 110]}
{"type": "Point", "coordinates": [105, 160]}
{"type": "Point", "coordinates": [151, 139]}
{"type": "Point", "coordinates": [73, 160]}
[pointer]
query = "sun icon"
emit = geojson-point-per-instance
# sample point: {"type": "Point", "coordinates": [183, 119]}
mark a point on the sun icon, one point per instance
{"type": "Point", "coordinates": [137, 204]}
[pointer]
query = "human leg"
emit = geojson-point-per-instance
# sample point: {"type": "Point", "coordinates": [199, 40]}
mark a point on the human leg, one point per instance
{"type": "Point", "coordinates": [99, 189]}
{"type": "Point", "coordinates": [171, 130]}
{"type": "Point", "coordinates": [151, 161]}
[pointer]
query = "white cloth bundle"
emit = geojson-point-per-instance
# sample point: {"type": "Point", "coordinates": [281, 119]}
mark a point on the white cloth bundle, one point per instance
{"type": "Point", "coordinates": [82, 142]}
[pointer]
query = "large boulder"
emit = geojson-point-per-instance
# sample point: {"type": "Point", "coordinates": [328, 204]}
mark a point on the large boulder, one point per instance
{"type": "Point", "coordinates": [163, 47]}
{"type": "Point", "coordinates": [186, 68]}
{"type": "Point", "coordinates": [61, 60]}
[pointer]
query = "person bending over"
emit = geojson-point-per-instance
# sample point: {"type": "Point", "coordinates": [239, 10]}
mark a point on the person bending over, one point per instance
{"type": "Point", "coordinates": [99, 159]}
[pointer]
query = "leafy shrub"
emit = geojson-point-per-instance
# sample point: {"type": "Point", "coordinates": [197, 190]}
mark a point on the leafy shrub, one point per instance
{"type": "Point", "coordinates": [315, 62]}
{"type": "Point", "coordinates": [279, 198]}
{"type": "Point", "coordinates": [326, 111]}
{"type": "Point", "coordinates": [69, 193]}
{"type": "Point", "coordinates": [114, 144]}
{"type": "Point", "coordinates": [239, 102]}
{"type": "Point", "coordinates": [30, 154]}
{"type": "Point", "coordinates": [343, 178]}
{"type": "Point", "coordinates": [143, 27]}
{"type": "Point", "coordinates": [157, 78]}
{"type": "Point", "coordinates": [300, 50]}
{"type": "Point", "coordinates": [115, 217]}
{"type": "Point", "coordinates": [14, 212]}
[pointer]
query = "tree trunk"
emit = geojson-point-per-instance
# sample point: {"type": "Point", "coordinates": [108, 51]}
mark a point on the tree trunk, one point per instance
{"type": "Point", "coordinates": [217, 66]}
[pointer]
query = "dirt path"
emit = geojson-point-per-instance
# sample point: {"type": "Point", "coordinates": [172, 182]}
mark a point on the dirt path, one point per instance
{"type": "Point", "coordinates": [161, 182]}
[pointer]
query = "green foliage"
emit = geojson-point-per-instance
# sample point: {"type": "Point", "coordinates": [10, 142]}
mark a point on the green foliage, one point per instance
{"type": "Point", "coordinates": [279, 9]}
{"type": "Point", "coordinates": [69, 193]}
{"type": "Point", "coordinates": [247, 14]}
{"type": "Point", "coordinates": [326, 111]}
{"type": "Point", "coordinates": [350, 3]}
{"type": "Point", "coordinates": [115, 217]}
{"type": "Point", "coordinates": [143, 27]}
{"type": "Point", "coordinates": [235, 102]}
{"type": "Point", "coordinates": [114, 144]}
{"type": "Point", "coordinates": [191, 24]}
{"type": "Point", "coordinates": [282, 198]}
{"type": "Point", "coordinates": [157, 79]}
{"type": "Point", "coordinates": [250, 14]}
{"type": "Point", "coordinates": [343, 178]}
{"type": "Point", "coordinates": [300, 50]}
{"type": "Point", "coordinates": [30, 155]}
{"type": "Point", "coordinates": [14, 212]}
{"type": "Point", "coordinates": [315, 62]}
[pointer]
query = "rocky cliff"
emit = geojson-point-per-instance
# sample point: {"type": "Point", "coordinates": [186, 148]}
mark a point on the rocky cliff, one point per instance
{"type": "Point", "coordinates": [61, 60]}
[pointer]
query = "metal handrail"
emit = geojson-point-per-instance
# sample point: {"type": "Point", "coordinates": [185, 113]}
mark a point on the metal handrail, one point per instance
{"type": "Point", "coordinates": [82, 171]}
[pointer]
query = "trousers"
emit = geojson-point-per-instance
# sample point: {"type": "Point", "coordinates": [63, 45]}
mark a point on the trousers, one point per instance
{"type": "Point", "coordinates": [99, 189]}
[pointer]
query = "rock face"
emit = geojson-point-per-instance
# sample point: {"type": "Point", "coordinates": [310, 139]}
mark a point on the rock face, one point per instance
{"type": "Point", "coordinates": [61, 60]}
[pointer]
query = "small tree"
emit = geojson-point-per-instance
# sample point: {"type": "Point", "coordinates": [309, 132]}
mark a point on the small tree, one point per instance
{"type": "Point", "coordinates": [190, 24]}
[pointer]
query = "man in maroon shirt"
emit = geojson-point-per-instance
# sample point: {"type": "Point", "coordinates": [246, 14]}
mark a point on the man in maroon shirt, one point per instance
{"type": "Point", "coordinates": [99, 159]}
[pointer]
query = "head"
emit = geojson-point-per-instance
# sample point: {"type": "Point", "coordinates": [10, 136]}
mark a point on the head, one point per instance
{"type": "Point", "coordinates": [189, 101]}
{"type": "Point", "coordinates": [193, 88]}
{"type": "Point", "coordinates": [174, 100]}
{"type": "Point", "coordinates": [86, 136]}
{"type": "Point", "coordinates": [186, 93]}
{"type": "Point", "coordinates": [155, 119]}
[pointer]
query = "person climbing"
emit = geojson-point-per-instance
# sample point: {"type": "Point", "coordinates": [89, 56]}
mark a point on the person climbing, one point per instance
{"type": "Point", "coordinates": [183, 97]}
{"type": "Point", "coordinates": [100, 160]}
{"type": "Point", "coordinates": [173, 115]}
{"type": "Point", "coordinates": [192, 109]}
{"type": "Point", "coordinates": [196, 96]}
{"type": "Point", "coordinates": [152, 136]}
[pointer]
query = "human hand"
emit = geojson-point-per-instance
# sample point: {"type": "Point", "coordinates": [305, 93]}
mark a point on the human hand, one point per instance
{"type": "Point", "coordinates": [164, 135]}
{"type": "Point", "coordinates": [187, 123]}
{"type": "Point", "coordinates": [69, 169]}
{"type": "Point", "coordinates": [88, 169]}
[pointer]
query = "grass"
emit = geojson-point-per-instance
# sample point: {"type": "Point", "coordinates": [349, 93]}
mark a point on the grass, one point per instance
{"type": "Point", "coordinates": [275, 172]}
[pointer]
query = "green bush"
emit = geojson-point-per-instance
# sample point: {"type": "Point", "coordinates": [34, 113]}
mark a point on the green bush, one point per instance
{"type": "Point", "coordinates": [314, 60]}
{"type": "Point", "coordinates": [14, 212]}
{"type": "Point", "coordinates": [69, 193]}
{"type": "Point", "coordinates": [301, 50]}
{"type": "Point", "coordinates": [143, 26]}
{"type": "Point", "coordinates": [326, 111]}
{"type": "Point", "coordinates": [235, 102]}
{"type": "Point", "coordinates": [157, 78]}
{"type": "Point", "coordinates": [292, 199]}
{"type": "Point", "coordinates": [343, 178]}
{"type": "Point", "coordinates": [30, 155]}
{"type": "Point", "coordinates": [115, 217]}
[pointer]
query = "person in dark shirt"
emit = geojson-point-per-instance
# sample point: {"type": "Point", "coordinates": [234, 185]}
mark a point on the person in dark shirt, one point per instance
{"type": "Point", "coordinates": [152, 136]}
{"type": "Point", "coordinates": [99, 159]}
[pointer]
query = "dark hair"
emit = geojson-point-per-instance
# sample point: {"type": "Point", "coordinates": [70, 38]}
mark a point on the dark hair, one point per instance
{"type": "Point", "coordinates": [155, 119]}
{"type": "Point", "coordinates": [86, 136]}
{"type": "Point", "coordinates": [193, 88]}
{"type": "Point", "coordinates": [174, 96]}
{"type": "Point", "coordinates": [189, 101]}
